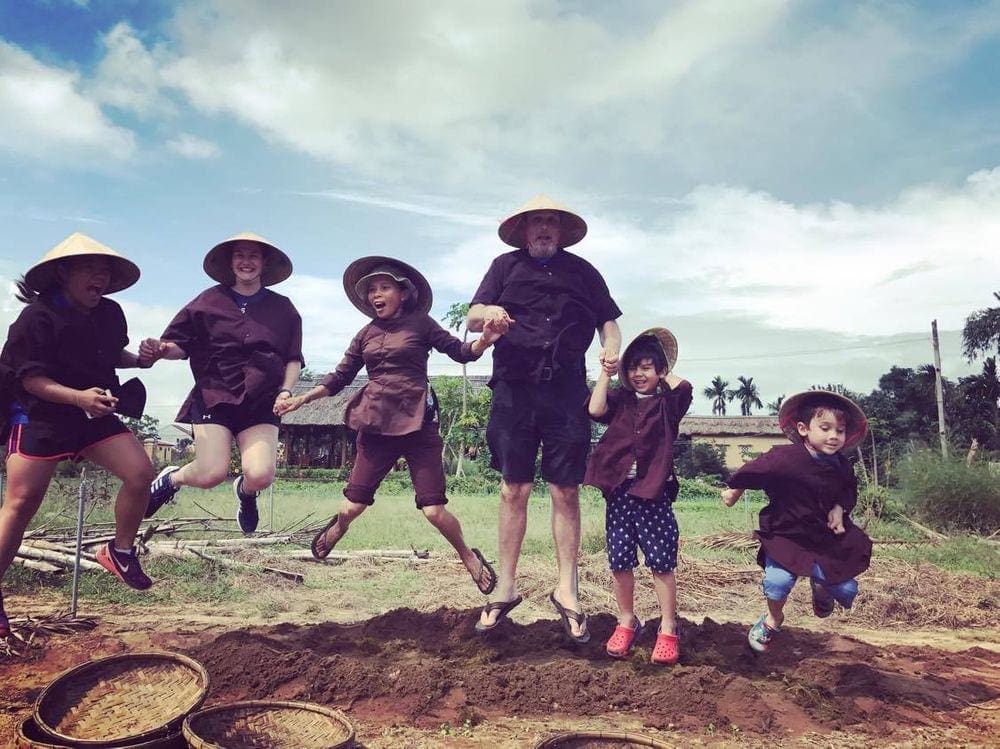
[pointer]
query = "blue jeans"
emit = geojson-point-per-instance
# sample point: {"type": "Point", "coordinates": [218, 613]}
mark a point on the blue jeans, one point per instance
{"type": "Point", "coordinates": [778, 583]}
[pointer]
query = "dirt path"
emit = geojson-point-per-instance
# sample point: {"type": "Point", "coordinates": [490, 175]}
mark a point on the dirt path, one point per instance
{"type": "Point", "coordinates": [420, 677]}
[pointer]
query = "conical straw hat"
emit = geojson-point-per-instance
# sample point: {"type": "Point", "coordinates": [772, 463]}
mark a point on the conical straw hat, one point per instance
{"type": "Point", "coordinates": [857, 423]}
{"type": "Point", "coordinates": [572, 227]}
{"type": "Point", "coordinates": [42, 275]}
{"type": "Point", "coordinates": [667, 341]}
{"type": "Point", "coordinates": [357, 274]}
{"type": "Point", "coordinates": [218, 261]}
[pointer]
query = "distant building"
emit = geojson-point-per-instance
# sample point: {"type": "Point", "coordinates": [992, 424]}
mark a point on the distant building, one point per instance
{"type": "Point", "coordinates": [743, 437]}
{"type": "Point", "coordinates": [158, 451]}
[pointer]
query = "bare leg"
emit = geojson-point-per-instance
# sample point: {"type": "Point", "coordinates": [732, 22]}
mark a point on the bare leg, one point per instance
{"type": "Point", "coordinates": [258, 456]}
{"type": "Point", "coordinates": [213, 449]}
{"type": "Point", "coordinates": [125, 458]}
{"type": "Point", "coordinates": [775, 615]}
{"type": "Point", "coordinates": [566, 534]}
{"type": "Point", "coordinates": [451, 529]}
{"type": "Point", "coordinates": [513, 522]}
{"type": "Point", "coordinates": [624, 587]}
{"type": "Point", "coordinates": [665, 585]}
{"type": "Point", "coordinates": [347, 514]}
{"type": "Point", "coordinates": [27, 481]}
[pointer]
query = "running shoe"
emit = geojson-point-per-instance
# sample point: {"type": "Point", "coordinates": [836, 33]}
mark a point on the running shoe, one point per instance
{"type": "Point", "coordinates": [246, 513]}
{"type": "Point", "coordinates": [124, 566]}
{"type": "Point", "coordinates": [760, 635]}
{"type": "Point", "coordinates": [161, 490]}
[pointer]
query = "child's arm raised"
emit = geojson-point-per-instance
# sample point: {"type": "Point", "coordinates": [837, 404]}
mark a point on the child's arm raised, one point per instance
{"type": "Point", "coordinates": [598, 405]}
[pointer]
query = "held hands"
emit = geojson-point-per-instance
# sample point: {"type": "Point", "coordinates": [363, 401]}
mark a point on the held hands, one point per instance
{"type": "Point", "coordinates": [496, 317]}
{"type": "Point", "coordinates": [493, 330]}
{"type": "Point", "coordinates": [286, 403]}
{"type": "Point", "coordinates": [150, 350]}
{"type": "Point", "coordinates": [95, 402]}
{"type": "Point", "coordinates": [609, 361]}
{"type": "Point", "coordinates": [731, 496]}
{"type": "Point", "coordinates": [835, 520]}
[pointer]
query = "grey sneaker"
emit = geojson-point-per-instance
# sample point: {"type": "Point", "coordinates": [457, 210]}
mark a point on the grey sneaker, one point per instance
{"type": "Point", "coordinates": [161, 490]}
{"type": "Point", "coordinates": [246, 514]}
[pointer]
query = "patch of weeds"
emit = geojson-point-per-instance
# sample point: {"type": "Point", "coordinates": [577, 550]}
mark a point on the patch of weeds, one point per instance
{"type": "Point", "coordinates": [464, 729]}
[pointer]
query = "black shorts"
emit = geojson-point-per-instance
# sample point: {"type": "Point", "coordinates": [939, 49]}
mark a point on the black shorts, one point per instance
{"type": "Point", "coordinates": [551, 414]}
{"type": "Point", "coordinates": [69, 438]}
{"type": "Point", "coordinates": [234, 417]}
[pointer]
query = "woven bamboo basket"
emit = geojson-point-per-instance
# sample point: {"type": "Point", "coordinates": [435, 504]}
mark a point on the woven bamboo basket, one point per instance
{"type": "Point", "coordinates": [124, 700]}
{"type": "Point", "coordinates": [30, 736]}
{"type": "Point", "coordinates": [599, 740]}
{"type": "Point", "coordinates": [262, 724]}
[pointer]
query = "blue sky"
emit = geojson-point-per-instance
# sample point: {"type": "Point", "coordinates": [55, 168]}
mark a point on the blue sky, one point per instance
{"type": "Point", "coordinates": [795, 188]}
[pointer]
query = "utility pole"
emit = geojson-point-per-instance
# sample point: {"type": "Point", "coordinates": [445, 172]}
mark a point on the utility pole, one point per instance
{"type": "Point", "coordinates": [939, 390]}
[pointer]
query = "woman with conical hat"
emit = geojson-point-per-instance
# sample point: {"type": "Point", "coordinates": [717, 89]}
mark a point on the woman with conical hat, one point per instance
{"type": "Point", "coordinates": [244, 342]}
{"type": "Point", "coordinates": [553, 301]}
{"type": "Point", "coordinates": [395, 414]}
{"type": "Point", "coordinates": [58, 394]}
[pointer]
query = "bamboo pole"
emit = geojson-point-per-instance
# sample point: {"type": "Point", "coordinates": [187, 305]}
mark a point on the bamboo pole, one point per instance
{"type": "Point", "coordinates": [67, 560]}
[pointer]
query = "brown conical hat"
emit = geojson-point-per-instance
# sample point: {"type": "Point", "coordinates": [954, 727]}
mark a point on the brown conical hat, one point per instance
{"type": "Point", "coordinates": [42, 275]}
{"type": "Point", "coordinates": [356, 276]}
{"type": "Point", "coordinates": [218, 261]}
{"type": "Point", "coordinates": [667, 341]}
{"type": "Point", "coordinates": [572, 227]}
{"type": "Point", "coordinates": [857, 423]}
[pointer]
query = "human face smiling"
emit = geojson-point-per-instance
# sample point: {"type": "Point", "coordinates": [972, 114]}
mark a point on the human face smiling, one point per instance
{"type": "Point", "coordinates": [825, 433]}
{"type": "Point", "coordinates": [84, 280]}
{"type": "Point", "coordinates": [247, 263]}
{"type": "Point", "coordinates": [643, 377]}
{"type": "Point", "coordinates": [543, 233]}
{"type": "Point", "coordinates": [386, 297]}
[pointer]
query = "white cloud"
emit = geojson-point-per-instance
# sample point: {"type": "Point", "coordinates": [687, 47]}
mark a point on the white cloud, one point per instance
{"type": "Point", "coordinates": [46, 116]}
{"type": "Point", "coordinates": [192, 147]}
{"type": "Point", "coordinates": [127, 76]}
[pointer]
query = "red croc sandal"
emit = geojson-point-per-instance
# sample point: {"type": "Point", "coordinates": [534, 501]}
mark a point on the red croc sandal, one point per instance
{"type": "Point", "coordinates": [619, 645]}
{"type": "Point", "coordinates": [666, 651]}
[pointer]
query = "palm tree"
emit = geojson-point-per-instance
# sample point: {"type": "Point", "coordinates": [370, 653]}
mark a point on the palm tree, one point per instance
{"type": "Point", "coordinates": [716, 393]}
{"type": "Point", "coordinates": [746, 394]}
{"type": "Point", "coordinates": [775, 405]}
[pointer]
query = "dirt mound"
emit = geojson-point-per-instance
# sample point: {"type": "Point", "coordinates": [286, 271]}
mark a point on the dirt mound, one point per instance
{"type": "Point", "coordinates": [430, 668]}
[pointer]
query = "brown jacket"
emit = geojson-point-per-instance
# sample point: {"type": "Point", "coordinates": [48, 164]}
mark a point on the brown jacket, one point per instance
{"type": "Point", "coordinates": [640, 431]}
{"type": "Point", "coordinates": [793, 529]}
{"type": "Point", "coordinates": [395, 353]}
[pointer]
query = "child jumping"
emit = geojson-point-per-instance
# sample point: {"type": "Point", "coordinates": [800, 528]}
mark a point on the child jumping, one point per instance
{"type": "Point", "coordinates": [806, 529]}
{"type": "Point", "coordinates": [633, 466]}
{"type": "Point", "coordinates": [60, 392]}
{"type": "Point", "coordinates": [394, 414]}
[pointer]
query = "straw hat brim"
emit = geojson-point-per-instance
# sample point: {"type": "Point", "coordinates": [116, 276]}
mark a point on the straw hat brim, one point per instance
{"type": "Point", "coordinates": [667, 341]}
{"type": "Point", "coordinates": [42, 275]}
{"type": "Point", "coordinates": [374, 265]}
{"type": "Point", "coordinates": [218, 262]}
{"type": "Point", "coordinates": [856, 419]}
{"type": "Point", "coordinates": [572, 228]}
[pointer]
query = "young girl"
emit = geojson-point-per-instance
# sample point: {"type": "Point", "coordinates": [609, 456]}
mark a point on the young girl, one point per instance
{"type": "Point", "coordinates": [394, 414]}
{"type": "Point", "coordinates": [806, 529]}
{"type": "Point", "coordinates": [245, 345]}
{"type": "Point", "coordinates": [59, 363]}
{"type": "Point", "coordinates": [633, 466]}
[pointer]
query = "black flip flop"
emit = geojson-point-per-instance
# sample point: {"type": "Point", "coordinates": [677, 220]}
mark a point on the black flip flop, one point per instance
{"type": "Point", "coordinates": [577, 616]}
{"type": "Point", "coordinates": [504, 607]}
{"type": "Point", "coordinates": [484, 566]}
{"type": "Point", "coordinates": [319, 536]}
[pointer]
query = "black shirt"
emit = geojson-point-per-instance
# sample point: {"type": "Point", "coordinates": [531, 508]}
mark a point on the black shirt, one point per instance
{"type": "Point", "coordinates": [556, 308]}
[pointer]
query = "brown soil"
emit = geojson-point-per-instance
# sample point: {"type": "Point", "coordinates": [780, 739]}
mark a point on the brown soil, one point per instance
{"type": "Point", "coordinates": [423, 678]}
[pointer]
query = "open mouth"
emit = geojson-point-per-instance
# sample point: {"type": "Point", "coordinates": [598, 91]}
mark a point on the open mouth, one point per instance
{"type": "Point", "coordinates": [379, 306]}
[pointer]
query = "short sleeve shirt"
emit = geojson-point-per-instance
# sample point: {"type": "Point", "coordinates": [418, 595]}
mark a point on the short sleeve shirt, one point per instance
{"type": "Point", "coordinates": [556, 307]}
{"type": "Point", "coordinates": [236, 355]}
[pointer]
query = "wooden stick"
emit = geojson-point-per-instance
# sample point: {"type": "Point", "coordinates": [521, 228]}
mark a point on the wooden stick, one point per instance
{"type": "Point", "coordinates": [925, 530]}
{"type": "Point", "coordinates": [34, 564]}
{"type": "Point", "coordinates": [56, 558]}
{"type": "Point", "coordinates": [345, 555]}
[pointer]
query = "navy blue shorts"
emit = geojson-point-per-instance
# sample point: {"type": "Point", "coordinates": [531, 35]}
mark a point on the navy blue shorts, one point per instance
{"type": "Point", "coordinates": [553, 415]}
{"type": "Point", "coordinates": [633, 523]}
{"type": "Point", "coordinates": [67, 439]}
{"type": "Point", "coordinates": [234, 417]}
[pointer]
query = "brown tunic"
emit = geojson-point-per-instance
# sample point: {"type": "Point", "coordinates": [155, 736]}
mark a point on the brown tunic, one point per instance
{"type": "Point", "coordinates": [236, 357]}
{"type": "Point", "coordinates": [640, 431]}
{"type": "Point", "coordinates": [395, 353]}
{"type": "Point", "coordinates": [793, 528]}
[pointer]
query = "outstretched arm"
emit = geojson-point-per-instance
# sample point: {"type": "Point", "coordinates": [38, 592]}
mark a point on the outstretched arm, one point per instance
{"type": "Point", "coordinates": [598, 405]}
{"type": "Point", "coordinates": [611, 343]}
{"type": "Point", "coordinates": [152, 350]}
{"type": "Point", "coordinates": [291, 403]}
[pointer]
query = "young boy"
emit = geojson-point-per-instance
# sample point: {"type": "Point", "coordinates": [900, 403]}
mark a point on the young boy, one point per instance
{"type": "Point", "coordinates": [806, 529]}
{"type": "Point", "coordinates": [633, 465]}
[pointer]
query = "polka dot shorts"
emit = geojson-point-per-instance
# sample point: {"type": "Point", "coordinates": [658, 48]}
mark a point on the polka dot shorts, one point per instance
{"type": "Point", "coordinates": [648, 524]}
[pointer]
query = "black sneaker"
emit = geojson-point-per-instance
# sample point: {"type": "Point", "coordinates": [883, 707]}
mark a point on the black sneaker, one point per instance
{"type": "Point", "coordinates": [246, 514]}
{"type": "Point", "coordinates": [161, 490]}
{"type": "Point", "coordinates": [125, 566]}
